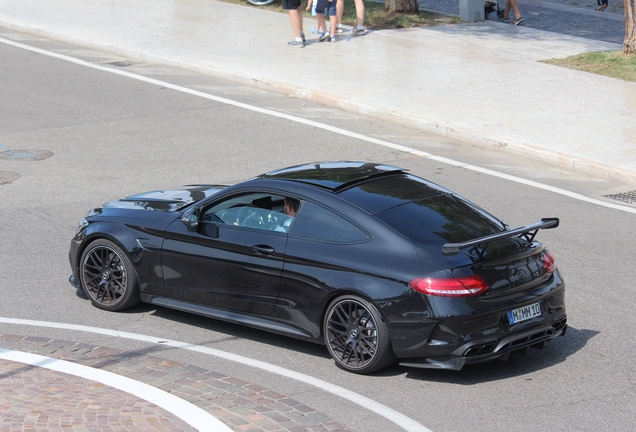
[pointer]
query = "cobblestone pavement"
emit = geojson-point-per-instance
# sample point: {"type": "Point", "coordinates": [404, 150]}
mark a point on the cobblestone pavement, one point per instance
{"type": "Point", "coordinates": [570, 17]}
{"type": "Point", "coordinates": [41, 399]}
{"type": "Point", "coordinates": [36, 399]}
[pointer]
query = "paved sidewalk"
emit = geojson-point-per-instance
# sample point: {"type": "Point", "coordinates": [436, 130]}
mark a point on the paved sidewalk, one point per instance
{"type": "Point", "coordinates": [39, 399]}
{"type": "Point", "coordinates": [480, 82]}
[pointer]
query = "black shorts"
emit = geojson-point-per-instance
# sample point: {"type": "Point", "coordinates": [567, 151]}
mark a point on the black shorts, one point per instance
{"type": "Point", "coordinates": [290, 4]}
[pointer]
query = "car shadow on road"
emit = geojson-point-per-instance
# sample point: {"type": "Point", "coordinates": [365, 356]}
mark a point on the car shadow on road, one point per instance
{"type": "Point", "coordinates": [232, 331]}
{"type": "Point", "coordinates": [553, 353]}
{"type": "Point", "coordinates": [236, 331]}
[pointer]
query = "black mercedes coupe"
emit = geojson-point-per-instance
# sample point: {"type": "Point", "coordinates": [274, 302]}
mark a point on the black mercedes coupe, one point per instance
{"type": "Point", "coordinates": [379, 265]}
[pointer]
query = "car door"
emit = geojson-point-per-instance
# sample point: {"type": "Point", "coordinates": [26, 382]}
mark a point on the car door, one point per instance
{"type": "Point", "coordinates": [233, 260]}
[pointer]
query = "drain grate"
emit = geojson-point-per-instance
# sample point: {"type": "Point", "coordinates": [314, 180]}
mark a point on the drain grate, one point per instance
{"type": "Point", "coordinates": [25, 155]}
{"type": "Point", "coordinates": [8, 177]}
{"type": "Point", "coordinates": [122, 63]}
{"type": "Point", "coordinates": [626, 197]}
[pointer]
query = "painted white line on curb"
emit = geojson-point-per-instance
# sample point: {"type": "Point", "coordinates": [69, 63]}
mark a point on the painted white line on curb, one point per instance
{"type": "Point", "coordinates": [326, 127]}
{"type": "Point", "coordinates": [396, 417]}
{"type": "Point", "coordinates": [191, 414]}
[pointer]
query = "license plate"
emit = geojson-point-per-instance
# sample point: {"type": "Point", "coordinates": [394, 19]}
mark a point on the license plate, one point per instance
{"type": "Point", "coordinates": [524, 313]}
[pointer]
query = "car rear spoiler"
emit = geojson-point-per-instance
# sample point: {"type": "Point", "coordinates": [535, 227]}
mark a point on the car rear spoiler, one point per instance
{"type": "Point", "coordinates": [527, 232]}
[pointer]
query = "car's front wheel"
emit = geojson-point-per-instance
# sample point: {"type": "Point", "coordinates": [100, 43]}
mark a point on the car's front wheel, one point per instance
{"type": "Point", "coordinates": [356, 336]}
{"type": "Point", "coordinates": [108, 277]}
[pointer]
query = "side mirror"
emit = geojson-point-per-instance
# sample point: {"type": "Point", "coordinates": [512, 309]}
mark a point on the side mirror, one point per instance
{"type": "Point", "coordinates": [191, 218]}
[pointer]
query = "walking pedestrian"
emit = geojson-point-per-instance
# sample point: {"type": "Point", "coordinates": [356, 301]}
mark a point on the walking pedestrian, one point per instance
{"type": "Point", "coordinates": [512, 4]}
{"type": "Point", "coordinates": [359, 29]}
{"type": "Point", "coordinates": [311, 5]}
{"type": "Point", "coordinates": [602, 5]}
{"type": "Point", "coordinates": [328, 6]}
{"type": "Point", "coordinates": [296, 19]}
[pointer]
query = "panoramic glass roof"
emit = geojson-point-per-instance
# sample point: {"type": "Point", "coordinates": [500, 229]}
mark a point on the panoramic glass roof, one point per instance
{"type": "Point", "coordinates": [331, 175]}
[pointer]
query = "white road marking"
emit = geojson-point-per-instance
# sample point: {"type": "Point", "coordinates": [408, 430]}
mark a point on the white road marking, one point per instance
{"type": "Point", "coordinates": [333, 129]}
{"type": "Point", "coordinates": [191, 414]}
{"type": "Point", "coordinates": [396, 417]}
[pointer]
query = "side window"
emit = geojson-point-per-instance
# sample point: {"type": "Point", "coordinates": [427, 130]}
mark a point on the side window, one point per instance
{"type": "Point", "coordinates": [317, 222]}
{"type": "Point", "coordinates": [254, 210]}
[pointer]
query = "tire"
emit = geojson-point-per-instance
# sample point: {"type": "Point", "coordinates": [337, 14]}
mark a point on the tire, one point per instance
{"type": "Point", "coordinates": [260, 2]}
{"type": "Point", "coordinates": [108, 277]}
{"type": "Point", "coordinates": [356, 336]}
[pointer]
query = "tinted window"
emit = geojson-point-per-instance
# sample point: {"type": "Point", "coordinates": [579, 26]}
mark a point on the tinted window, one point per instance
{"type": "Point", "coordinates": [256, 210]}
{"type": "Point", "coordinates": [319, 223]}
{"type": "Point", "coordinates": [440, 219]}
{"type": "Point", "coordinates": [386, 192]}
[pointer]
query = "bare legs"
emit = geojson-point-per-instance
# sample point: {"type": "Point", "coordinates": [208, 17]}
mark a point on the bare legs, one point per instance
{"type": "Point", "coordinates": [515, 8]}
{"type": "Point", "coordinates": [296, 19]}
{"type": "Point", "coordinates": [359, 11]}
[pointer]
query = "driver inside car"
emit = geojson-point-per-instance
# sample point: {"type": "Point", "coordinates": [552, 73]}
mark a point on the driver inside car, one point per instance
{"type": "Point", "coordinates": [290, 208]}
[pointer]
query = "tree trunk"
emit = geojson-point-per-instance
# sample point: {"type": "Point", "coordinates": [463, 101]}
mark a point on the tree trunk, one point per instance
{"type": "Point", "coordinates": [629, 44]}
{"type": "Point", "coordinates": [409, 6]}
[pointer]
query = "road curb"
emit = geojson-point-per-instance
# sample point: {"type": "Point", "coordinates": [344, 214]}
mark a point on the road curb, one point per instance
{"type": "Point", "coordinates": [567, 161]}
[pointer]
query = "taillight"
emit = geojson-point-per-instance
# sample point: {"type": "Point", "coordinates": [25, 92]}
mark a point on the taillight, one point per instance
{"type": "Point", "coordinates": [549, 263]}
{"type": "Point", "coordinates": [452, 287]}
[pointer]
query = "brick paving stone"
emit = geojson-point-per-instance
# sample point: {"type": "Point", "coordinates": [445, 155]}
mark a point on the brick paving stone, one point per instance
{"type": "Point", "coordinates": [89, 406]}
{"type": "Point", "coordinates": [254, 397]}
{"type": "Point", "coordinates": [262, 409]}
{"type": "Point", "coordinates": [214, 375]}
{"type": "Point", "coordinates": [255, 388]}
{"type": "Point", "coordinates": [42, 399]}
{"type": "Point", "coordinates": [277, 417]}
{"type": "Point", "coordinates": [303, 408]}
{"type": "Point", "coordinates": [277, 406]}
{"type": "Point", "coordinates": [273, 395]}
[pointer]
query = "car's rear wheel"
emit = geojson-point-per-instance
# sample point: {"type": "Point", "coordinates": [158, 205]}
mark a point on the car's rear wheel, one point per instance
{"type": "Point", "coordinates": [357, 338]}
{"type": "Point", "coordinates": [108, 277]}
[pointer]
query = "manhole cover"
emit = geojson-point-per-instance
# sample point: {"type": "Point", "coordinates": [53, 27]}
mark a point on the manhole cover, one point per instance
{"type": "Point", "coordinates": [626, 197]}
{"type": "Point", "coordinates": [25, 155]}
{"type": "Point", "coordinates": [8, 177]}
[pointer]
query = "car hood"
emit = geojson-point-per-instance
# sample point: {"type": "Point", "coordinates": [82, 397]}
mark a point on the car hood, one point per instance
{"type": "Point", "coordinates": [167, 200]}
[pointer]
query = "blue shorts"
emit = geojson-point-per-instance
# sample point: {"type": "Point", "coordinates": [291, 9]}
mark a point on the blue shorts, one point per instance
{"type": "Point", "coordinates": [330, 6]}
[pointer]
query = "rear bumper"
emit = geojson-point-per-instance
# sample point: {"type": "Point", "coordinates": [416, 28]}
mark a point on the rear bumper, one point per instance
{"type": "Point", "coordinates": [473, 330]}
{"type": "Point", "coordinates": [486, 350]}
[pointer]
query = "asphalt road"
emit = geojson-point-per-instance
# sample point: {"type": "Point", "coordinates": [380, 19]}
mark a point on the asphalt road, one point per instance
{"type": "Point", "coordinates": [111, 135]}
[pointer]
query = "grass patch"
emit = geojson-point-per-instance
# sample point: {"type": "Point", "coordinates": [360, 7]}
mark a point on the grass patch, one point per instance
{"type": "Point", "coordinates": [375, 17]}
{"type": "Point", "coordinates": [613, 64]}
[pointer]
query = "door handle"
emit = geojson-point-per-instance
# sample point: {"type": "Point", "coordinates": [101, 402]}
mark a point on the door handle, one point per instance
{"type": "Point", "coordinates": [263, 249]}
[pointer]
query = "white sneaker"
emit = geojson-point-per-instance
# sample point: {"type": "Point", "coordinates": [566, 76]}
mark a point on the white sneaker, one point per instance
{"type": "Point", "coordinates": [296, 44]}
{"type": "Point", "coordinates": [358, 31]}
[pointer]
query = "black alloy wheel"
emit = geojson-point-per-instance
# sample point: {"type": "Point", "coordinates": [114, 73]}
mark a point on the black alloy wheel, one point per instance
{"type": "Point", "coordinates": [357, 338]}
{"type": "Point", "coordinates": [107, 276]}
